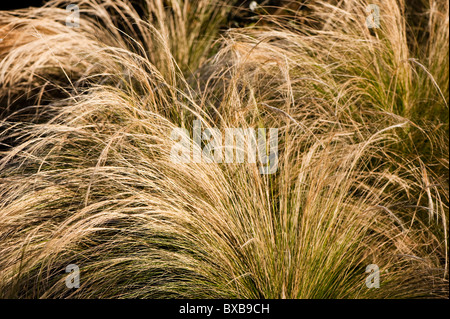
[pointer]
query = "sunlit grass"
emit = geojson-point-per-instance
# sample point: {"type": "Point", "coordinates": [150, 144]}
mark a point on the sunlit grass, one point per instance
{"type": "Point", "coordinates": [86, 176]}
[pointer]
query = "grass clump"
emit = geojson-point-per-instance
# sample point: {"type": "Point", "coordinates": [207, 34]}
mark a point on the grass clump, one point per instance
{"type": "Point", "coordinates": [86, 175]}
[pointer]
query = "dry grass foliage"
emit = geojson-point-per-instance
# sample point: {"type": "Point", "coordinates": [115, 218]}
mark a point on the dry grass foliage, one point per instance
{"type": "Point", "coordinates": [86, 176]}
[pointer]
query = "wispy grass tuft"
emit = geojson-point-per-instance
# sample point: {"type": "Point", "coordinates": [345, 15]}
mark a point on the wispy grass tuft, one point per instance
{"type": "Point", "coordinates": [86, 175]}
